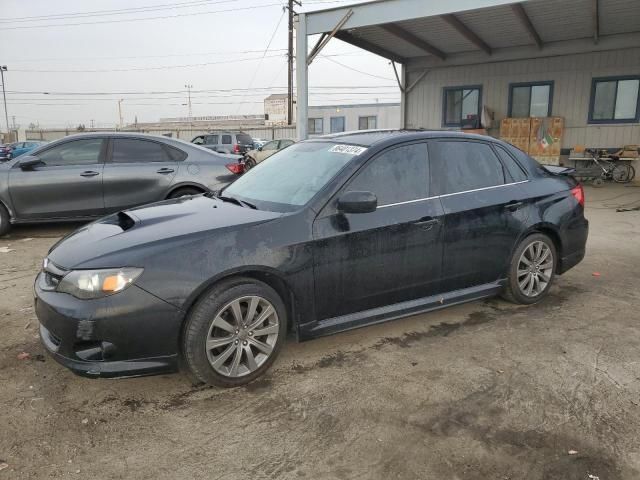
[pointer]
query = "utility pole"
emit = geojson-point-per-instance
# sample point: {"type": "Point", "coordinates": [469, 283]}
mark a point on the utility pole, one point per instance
{"type": "Point", "coordinates": [3, 68]}
{"type": "Point", "coordinates": [290, 61]}
{"type": "Point", "coordinates": [120, 111]}
{"type": "Point", "coordinates": [189, 87]}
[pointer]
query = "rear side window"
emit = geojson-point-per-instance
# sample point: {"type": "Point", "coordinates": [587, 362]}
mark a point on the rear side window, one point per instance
{"type": "Point", "coordinates": [244, 139]}
{"type": "Point", "coordinates": [397, 175]}
{"type": "Point", "coordinates": [127, 150]}
{"type": "Point", "coordinates": [462, 166]}
{"type": "Point", "coordinates": [211, 140]}
{"type": "Point", "coordinates": [515, 170]}
{"type": "Point", "coordinates": [226, 139]}
{"type": "Point", "coordinates": [176, 154]}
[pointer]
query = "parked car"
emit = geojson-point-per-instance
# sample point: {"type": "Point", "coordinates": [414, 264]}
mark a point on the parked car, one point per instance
{"type": "Point", "coordinates": [5, 153]}
{"type": "Point", "coordinates": [89, 175]}
{"type": "Point", "coordinates": [20, 148]}
{"type": "Point", "coordinates": [253, 157]}
{"type": "Point", "coordinates": [258, 142]}
{"type": "Point", "coordinates": [237, 143]}
{"type": "Point", "coordinates": [330, 234]}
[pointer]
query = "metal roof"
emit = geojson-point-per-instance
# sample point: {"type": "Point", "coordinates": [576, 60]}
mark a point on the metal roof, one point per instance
{"type": "Point", "coordinates": [403, 30]}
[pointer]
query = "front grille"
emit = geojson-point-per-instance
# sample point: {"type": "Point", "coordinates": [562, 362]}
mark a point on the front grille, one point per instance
{"type": "Point", "coordinates": [54, 338]}
{"type": "Point", "coordinates": [52, 275]}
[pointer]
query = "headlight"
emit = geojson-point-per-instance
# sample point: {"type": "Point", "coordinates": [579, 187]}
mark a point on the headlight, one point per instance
{"type": "Point", "coordinates": [85, 284]}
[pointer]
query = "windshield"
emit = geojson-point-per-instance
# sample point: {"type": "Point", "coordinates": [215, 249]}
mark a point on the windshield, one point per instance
{"type": "Point", "coordinates": [291, 177]}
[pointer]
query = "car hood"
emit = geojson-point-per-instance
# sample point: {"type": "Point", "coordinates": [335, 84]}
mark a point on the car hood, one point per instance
{"type": "Point", "coordinates": [158, 226]}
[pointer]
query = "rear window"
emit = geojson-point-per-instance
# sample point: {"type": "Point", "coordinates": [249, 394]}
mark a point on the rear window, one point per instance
{"type": "Point", "coordinates": [244, 139]}
{"type": "Point", "coordinates": [514, 169]}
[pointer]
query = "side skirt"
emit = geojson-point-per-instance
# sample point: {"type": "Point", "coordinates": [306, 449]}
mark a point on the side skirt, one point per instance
{"type": "Point", "coordinates": [398, 310]}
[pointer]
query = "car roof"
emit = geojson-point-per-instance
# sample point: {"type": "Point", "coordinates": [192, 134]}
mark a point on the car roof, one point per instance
{"type": "Point", "coordinates": [159, 138]}
{"type": "Point", "coordinates": [369, 138]}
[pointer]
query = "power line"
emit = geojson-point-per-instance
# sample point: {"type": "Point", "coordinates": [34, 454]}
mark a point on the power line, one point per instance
{"type": "Point", "coordinates": [142, 18]}
{"type": "Point", "coordinates": [117, 11]}
{"type": "Point", "coordinates": [355, 69]}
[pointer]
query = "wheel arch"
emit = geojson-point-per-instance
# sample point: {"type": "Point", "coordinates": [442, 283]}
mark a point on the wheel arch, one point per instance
{"type": "Point", "coordinates": [180, 185]}
{"type": "Point", "coordinates": [268, 276]}
{"type": "Point", "coordinates": [550, 231]}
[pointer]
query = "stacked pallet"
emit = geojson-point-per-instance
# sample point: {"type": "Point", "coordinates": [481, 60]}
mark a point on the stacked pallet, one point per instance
{"type": "Point", "coordinates": [539, 137]}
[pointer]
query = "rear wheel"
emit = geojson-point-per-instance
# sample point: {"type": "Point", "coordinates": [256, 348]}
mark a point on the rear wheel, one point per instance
{"type": "Point", "coordinates": [234, 333]}
{"type": "Point", "coordinates": [621, 173]}
{"type": "Point", "coordinates": [183, 192]}
{"type": "Point", "coordinates": [532, 270]}
{"type": "Point", "coordinates": [249, 163]}
{"type": "Point", "coordinates": [5, 221]}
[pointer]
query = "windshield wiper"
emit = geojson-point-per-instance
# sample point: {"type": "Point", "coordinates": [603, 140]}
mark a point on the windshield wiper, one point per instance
{"type": "Point", "coordinates": [240, 203]}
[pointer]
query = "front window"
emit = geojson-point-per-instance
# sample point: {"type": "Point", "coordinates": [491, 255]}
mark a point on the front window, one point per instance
{"type": "Point", "coordinates": [615, 100]}
{"type": "Point", "coordinates": [367, 123]}
{"type": "Point", "coordinates": [462, 107]}
{"type": "Point", "coordinates": [291, 177]}
{"type": "Point", "coordinates": [530, 99]}
{"type": "Point", "coordinates": [337, 124]}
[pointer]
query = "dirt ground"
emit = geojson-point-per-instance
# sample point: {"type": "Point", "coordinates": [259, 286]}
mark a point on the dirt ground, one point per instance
{"type": "Point", "coordinates": [486, 390]}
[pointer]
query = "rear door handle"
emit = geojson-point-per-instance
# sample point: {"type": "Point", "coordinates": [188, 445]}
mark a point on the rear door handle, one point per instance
{"type": "Point", "coordinates": [165, 170]}
{"type": "Point", "coordinates": [513, 206]}
{"type": "Point", "coordinates": [89, 173]}
{"type": "Point", "coordinates": [426, 223]}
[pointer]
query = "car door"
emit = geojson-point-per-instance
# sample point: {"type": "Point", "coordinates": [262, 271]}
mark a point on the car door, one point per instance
{"type": "Point", "coordinates": [137, 171]}
{"type": "Point", "coordinates": [68, 182]}
{"type": "Point", "coordinates": [394, 254]}
{"type": "Point", "coordinates": [226, 143]}
{"type": "Point", "coordinates": [484, 211]}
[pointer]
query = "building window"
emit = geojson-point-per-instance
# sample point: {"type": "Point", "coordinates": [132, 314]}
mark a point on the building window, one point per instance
{"type": "Point", "coordinates": [367, 123]}
{"type": "Point", "coordinates": [337, 124]}
{"type": "Point", "coordinates": [615, 100]}
{"type": "Point", "coordinates": [462, 107]}
{"type": "Point", "coordinates": [530, 99]}
{"type": "Point", "coordinates": [315, 126]}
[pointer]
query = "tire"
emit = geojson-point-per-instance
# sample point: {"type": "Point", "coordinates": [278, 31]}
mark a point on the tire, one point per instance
{"type": "Point", "coordinates": [536, 248]}
{"type": "Point", "coordinates": [621, 173]}
{"type": "Point", "coordinates": [249, 163]}
{"type": "Point", "coordinates": [5, 221]}
{"type": "Point", "coordinates": [183, 192]}
{"type": "Point", "coordinates": [216, 347]}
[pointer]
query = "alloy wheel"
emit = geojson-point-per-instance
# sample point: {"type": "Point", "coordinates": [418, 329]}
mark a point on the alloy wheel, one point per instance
{"type": "Point", "coordinates": [535, 268]}
{"type": "Point", "coordinates": [242, 336]}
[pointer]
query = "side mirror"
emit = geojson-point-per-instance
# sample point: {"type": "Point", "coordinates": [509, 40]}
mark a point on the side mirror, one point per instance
{"type": "Point", "coordinates": [357, 202]}
{"type": "Point", "coordinates": [28, 162]}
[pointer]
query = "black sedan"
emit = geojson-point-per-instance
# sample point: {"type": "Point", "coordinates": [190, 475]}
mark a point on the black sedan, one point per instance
{"type": "Point", "coordinates": [327, 235]}
{"type": "Point", "coordinates": [89, 175]}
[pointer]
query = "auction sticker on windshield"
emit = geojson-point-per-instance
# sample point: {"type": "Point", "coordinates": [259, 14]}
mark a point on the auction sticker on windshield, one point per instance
{"type": "Point", "coordinates": [348, 149]}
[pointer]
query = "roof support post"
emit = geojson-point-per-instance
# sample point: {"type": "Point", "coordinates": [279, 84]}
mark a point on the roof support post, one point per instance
{"type": "Point", "coordinates": [520, 12]}
{"type": "Point", "coordinates": [463, 30]}
{"type": "Point", "coordinates": [326, 37]}
{"type": "Point", "coordinates": [302, 77]}
{"type": "Point", "coordinates": [595, 12]}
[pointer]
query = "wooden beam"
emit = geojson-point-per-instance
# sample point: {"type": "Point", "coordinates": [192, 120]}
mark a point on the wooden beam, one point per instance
{"type": "Point", "coordinates": [519, 11]}
{"type": "Point", "coordinates": [365, 45]}
{"type": "Point", "coordinates": [409, 37]}
{"type": "Point", "coordinates": [595, 11]}
{"type": "Point", "coordinates": [463, 30]}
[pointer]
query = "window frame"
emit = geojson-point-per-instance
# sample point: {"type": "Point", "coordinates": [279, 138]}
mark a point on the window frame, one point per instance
{"type": "Point", "coordinates": [367, 117]}
{"type": "Point", "coordinates": [315, 132]}
{"type": "Point", "coordinates": [545, 83]}
{"type": "Point", "coordinates": [445, 90]}
{"type": "Point", "coordinates": [592, 100]}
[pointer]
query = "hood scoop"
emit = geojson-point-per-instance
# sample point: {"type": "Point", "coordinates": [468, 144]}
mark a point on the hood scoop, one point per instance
{"type": "Point", "coordinates": [122, 220]}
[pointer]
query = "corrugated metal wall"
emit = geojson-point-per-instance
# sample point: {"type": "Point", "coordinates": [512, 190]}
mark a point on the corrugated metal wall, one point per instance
{"type": "Point", "coordinates": [571, 74]}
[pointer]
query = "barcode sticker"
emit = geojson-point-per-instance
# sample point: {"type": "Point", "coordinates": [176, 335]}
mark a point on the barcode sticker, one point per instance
{"type": "Point", "coordinates": [348, 149]}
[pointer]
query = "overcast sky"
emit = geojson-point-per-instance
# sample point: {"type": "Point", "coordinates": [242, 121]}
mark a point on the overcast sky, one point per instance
{"type": "Point", "coordinates": [120, 50]}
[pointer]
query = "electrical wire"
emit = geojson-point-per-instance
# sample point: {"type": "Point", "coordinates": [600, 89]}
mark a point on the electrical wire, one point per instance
{"type": "Point", "coordinates": [355, 69]}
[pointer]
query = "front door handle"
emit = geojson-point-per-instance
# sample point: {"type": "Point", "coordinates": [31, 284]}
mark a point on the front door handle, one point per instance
{"type": "Point", "coordinates": [513, 206]}
{"type": "Point", "coordinates": [426, 223]}
{"type": "Point", "coordinates": [165, 170]}
{"type": "Point", "coordinates": [89, 173]}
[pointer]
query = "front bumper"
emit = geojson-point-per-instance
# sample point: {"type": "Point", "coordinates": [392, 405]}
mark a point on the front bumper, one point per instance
{"type": "Point", "coordinates": [132, 333]}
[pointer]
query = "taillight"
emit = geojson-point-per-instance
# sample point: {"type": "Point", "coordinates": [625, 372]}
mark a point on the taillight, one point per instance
{"type": "Point", "coordinates": [578, 193]}
{"type": "Point", "coordinates": [236, 168]}
{"type": "Point", "coordinates": [236, 148]}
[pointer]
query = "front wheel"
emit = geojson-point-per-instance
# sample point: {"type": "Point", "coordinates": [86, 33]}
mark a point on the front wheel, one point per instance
{"type": "Point", "coordinates": [235, 332]}
{"type": "Point", "coordinates": [532, 270]}
{"type": "Point", "coordinates": [5, 220]}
